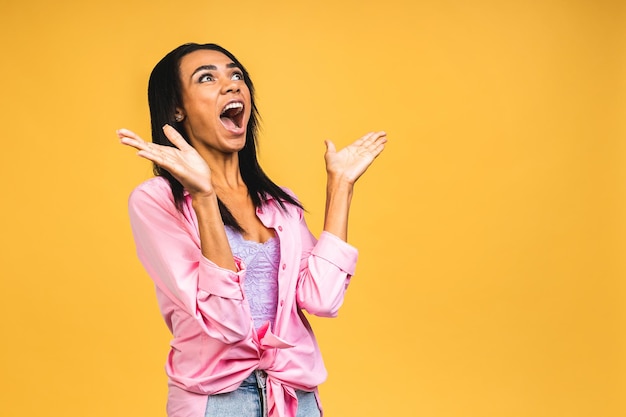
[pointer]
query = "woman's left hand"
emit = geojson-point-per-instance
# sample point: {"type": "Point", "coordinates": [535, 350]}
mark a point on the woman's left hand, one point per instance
{"type": "Point", "coordinates": [351, 162]}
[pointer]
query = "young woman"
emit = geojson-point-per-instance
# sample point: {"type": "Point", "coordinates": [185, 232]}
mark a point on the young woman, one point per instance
{"type": "Point", "coordinates": [229, 251]}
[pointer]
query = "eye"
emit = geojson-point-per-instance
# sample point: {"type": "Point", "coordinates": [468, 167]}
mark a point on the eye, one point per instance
{"type": "Point", "coordinates": [205, 78]}
{"type": "Point", "coordinates": [237, 75]}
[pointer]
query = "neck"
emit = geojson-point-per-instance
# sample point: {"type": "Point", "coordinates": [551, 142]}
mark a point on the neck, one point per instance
{"type": "Point", "coordinates": [224, 168]}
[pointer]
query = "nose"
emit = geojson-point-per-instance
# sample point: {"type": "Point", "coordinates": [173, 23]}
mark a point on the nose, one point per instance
{"type": "Point", "coordinates": [230, 86]}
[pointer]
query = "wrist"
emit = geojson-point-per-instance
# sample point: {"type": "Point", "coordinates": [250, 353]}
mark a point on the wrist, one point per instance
{"type": "Point", "coordinates": [202, 199]}
{"type": "Point", "coordinates": [335, 183]}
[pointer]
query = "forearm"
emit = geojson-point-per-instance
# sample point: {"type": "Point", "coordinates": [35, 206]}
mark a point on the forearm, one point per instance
{"type": "Point", "coordinates": [338, 200]}
{"type": "Point", "coordinates": [344, 168]}
{"type": "Point", "coordinates": [213, 240]}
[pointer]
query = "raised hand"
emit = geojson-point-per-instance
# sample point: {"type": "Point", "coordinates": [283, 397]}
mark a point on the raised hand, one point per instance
{"type": "Point", "coordinates": [182, 161]}
{"type": "Point", "coordinates": [351, 162]}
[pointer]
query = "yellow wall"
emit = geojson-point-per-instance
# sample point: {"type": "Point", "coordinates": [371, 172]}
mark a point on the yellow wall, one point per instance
{"type": "Point", "coordinates": [492, 229]}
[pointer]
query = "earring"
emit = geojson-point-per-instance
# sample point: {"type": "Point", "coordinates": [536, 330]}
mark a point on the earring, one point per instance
{"type": "Point", "coordinates": [179, 117]}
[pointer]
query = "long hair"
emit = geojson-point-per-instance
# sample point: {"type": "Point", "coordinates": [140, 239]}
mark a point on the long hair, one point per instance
{"type": "Point", "coordinates": [165, 95]}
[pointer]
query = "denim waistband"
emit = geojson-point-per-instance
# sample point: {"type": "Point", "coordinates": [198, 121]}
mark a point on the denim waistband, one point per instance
{"type": "Point", "coordinates": [257, 378]}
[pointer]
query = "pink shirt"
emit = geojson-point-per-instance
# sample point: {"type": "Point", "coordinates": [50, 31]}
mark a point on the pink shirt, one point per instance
{"type": "Point", "coordinates": [215, 345]}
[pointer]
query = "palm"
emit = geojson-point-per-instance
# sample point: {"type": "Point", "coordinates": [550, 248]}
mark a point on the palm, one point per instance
{"type": "Point", "coordinates": [182, 161]}
{"type": "Point", "coordinates": [352, 161]}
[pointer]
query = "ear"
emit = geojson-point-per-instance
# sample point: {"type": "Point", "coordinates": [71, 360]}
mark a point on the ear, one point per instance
{"type": "Point", "coordinates": [179, 115]}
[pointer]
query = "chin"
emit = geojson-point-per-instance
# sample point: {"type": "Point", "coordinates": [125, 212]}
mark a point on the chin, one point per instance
{"type": "Point", "coordinates": [235, 144]}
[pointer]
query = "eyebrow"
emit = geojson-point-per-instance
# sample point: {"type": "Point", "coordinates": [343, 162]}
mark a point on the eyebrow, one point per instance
{"type": "Point", "coordinates": [212, 67]}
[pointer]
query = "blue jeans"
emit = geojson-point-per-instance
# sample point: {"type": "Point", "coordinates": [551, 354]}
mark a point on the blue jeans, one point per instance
{"type": "Point", "coordinates": [250, 400]}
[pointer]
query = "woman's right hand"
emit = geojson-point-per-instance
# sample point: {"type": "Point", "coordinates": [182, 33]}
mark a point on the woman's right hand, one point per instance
{"type": "Point", "coordinates": [182, 160]}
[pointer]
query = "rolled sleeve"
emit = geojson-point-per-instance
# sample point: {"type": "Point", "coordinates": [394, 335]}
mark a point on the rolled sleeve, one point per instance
{"type": "Point", "coordinates": [220, 281]}
{"type": "Point", "coordinates": [336, 251]}
{"type": "Point", "coordinates": [168, 246]}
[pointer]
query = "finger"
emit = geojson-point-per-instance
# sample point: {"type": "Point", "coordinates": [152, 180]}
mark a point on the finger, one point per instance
{"type": "Point", "coordinates": [330, 146]}
{"type": "Point", "coordinates": [373, 137]}
{"type": "Point", "coordinates": [368, 139]}
{"type": "Point", "coordinates": [363, 139]}
{"type": "Point", "coordinates": [374, 142]}
{"type": "Point", "coordinates": [376, 150]}
{"type": "Point", "coordinates": [382, 139]}
{"type": "Point", "coordinates": [158, 156]}
{"type": "Point", "coordinates": [130, 138]}
{"type": "Point", "coordinates": [376, 147]}
{"type": "Point", "coordinates": [176, 138]}
{"type": "Point", "coordinates": [124, 132]}
{"type": "Point", "coordinates": [149, 156]}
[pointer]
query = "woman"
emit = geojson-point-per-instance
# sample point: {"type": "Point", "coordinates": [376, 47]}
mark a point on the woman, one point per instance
{"type": "Point", "coordinates": [229, 251]}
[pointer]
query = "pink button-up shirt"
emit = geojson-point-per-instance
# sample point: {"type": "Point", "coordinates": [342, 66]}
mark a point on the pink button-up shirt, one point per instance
{"type": "Point", "coordinates": [215, 345]}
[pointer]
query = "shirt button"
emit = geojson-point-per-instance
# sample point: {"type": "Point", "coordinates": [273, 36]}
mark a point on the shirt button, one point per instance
{"type": "Point", "coordinates": [284, 266]}
{"type": "Point", "coordinates": [282, 302]}
{"type": "Point", "coordinates": [280, 228]}
{"type": "Point", "coordinates": [259, 211]}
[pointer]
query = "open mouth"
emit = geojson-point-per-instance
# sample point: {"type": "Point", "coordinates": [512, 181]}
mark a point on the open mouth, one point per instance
{"type": "Point", "coordinates": [232, 115]}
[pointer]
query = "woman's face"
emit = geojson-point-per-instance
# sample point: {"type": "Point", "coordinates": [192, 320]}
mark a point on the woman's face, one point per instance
{"type": "Point", "coordinates": [216, 101]}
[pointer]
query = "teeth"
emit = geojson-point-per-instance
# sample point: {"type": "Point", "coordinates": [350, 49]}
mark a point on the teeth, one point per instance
{"type": "Point", "coordinates": [232, 106]}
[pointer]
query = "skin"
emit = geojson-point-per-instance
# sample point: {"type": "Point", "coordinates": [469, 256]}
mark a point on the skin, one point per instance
{"type": "Point", "coordinates": [209, 167]}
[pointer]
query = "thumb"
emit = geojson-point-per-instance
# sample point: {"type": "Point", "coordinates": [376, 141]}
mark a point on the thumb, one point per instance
{"type": "Point", "coordinates": [330, 146]}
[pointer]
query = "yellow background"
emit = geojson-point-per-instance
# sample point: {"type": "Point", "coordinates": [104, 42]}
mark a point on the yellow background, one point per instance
{"type": "Point", "coordinates": [491, 231]}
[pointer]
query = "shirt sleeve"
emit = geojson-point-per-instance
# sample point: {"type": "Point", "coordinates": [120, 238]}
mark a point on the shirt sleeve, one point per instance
{"type": "Point", "coordinates": [168, 246]}
{"type": "Point", "coordinates": [326, 268]}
